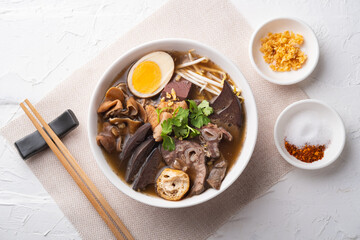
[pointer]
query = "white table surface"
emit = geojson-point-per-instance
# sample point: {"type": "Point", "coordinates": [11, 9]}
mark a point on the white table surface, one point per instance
{"type": "Point", "coordinates": [43, 42]}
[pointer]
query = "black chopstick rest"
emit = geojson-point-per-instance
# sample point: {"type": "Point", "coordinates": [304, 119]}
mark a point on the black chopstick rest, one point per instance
{"type": "Point", "coordinates": [34, 143]}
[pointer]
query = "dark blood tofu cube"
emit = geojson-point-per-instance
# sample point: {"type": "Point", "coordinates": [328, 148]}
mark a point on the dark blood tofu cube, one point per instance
{"type": "Point", "coordinates": [181, 88]}
{"type": "Point", "coordinates": [34, 143]}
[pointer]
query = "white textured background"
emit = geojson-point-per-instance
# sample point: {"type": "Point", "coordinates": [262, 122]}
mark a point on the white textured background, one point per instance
{"type": "Point", "coordinates": [42, 42]}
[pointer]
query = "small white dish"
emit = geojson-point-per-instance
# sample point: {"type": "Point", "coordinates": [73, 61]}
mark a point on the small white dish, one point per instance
{"type": "Point", "coordinates": [326, 113]}
{"type": "Point", "coordinates": [310, 47]}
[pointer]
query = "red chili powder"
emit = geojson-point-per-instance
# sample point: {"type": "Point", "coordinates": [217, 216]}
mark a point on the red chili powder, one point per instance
{"type": "Point", "coordinates": [308, 153]}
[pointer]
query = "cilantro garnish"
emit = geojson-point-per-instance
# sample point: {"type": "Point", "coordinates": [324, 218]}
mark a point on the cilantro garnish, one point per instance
{"type": "Point", "coordinates": [179, 124]}
{"type": "Point", "coordinates": [199, 113]}
{"type": "Point", "coordinates": [168, 142]}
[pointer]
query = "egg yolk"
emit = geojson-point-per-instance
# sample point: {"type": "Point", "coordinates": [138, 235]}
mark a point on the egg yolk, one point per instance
{"type": "Point", "coordinates": [146, 77]}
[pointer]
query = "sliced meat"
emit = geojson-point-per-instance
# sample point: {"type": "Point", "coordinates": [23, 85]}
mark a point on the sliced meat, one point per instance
{"type": "Point", "coordinates": [217, 173]}
{"type": "Point", "coordinates": [181, 87]}
{"type": "Point", "coordinates": [106, 138]}
{"type": "Point", "coordinates": [189, 157]}
{"type": "Point", "coordinates": [224, 99]}
{"type": "Point", "coordinates": [134, 141]}
{"type": "Point", "coordinates": [138, 158]}
{"type": "Point", "coordinates": [211, 135]}
{"type": "Point", "coordinates": [199, 181]}
{"type": "Point", "coordinates": [158, 129]}
{"type": "Point", "coordinates": [148, 170]}
{"type": "Point", "coordinates": [233, 114]}
{"type": "Point", "coordinates": [182, 104]}
{"type": "Point", "coordinates": [151, 116]}
{"type": "Point", "coordinates": [173, 105]}
{"type": "Point", "coordinates": [227, 107]}
{"type": "Point", "coordinates": [165, 114]}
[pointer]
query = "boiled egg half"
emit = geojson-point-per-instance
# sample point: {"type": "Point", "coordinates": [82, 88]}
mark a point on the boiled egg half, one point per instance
{"type": "Point", "coordinates": [149, 75]}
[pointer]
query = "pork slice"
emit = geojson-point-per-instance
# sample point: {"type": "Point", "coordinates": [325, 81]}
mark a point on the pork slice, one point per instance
{"type": "Point", "coordinates": [158, 129]}
{"type": "Point", "coordinates": [211, 135]}
{"type": "Point", "coordinates": [227, 107]}
{"type": "Point", "coordinates": [189, 157]}
{"type": "Point", "coordinates": [151, 116]}
{"type": "Point", "coordinates": [181, 87]}
{"type": "Point", "coordinates": [217, 173]}
{"type": "Point", "coordinates": [172, 105]}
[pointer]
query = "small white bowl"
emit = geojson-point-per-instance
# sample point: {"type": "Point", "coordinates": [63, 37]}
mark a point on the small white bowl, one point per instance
{"type": "Point", "coordinates": [310, 47]}
{"type": "Point", "coordinates": [326, 113]}
{"type": "Point", "coordinates": [174, 45]}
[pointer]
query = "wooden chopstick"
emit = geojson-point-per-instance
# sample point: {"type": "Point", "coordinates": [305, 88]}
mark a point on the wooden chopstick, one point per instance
{"type": "Point", "coordinates": [79, 176]}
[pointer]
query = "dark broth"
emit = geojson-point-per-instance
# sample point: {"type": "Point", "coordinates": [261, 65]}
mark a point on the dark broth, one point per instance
{"type": "Point", "coordinates": [230, 150]}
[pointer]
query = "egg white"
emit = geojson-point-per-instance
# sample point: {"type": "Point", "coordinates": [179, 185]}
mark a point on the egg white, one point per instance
{"type": "Point", "coordinates": [166, 65]}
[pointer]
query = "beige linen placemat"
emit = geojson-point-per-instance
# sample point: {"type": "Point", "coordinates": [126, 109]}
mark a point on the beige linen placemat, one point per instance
{"type": "Point", "coordinates": [215, 23]}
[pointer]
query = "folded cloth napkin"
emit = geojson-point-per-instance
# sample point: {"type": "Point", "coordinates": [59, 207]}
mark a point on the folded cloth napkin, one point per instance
{"type": "Point", "coordinates": [215, 23]}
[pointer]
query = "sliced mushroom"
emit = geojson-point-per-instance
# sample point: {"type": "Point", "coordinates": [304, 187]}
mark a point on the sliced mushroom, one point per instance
{"type": "Point", "coordinates": [106, 139]}
{"type": "Point", "coordinates": [118, 144]}
{"type": "Point", "coordinates": [113, 102]}
{"type": "Point", "coordinates": [134, 108]}
{"type": "Point", "coordinates": [130, 125]}
{"type": "Point", "coordinates": [110, 106]}
{"type": "Point", "coordinates": [123, 87]}
{"type": "Point", "coordinates": [142, 112]}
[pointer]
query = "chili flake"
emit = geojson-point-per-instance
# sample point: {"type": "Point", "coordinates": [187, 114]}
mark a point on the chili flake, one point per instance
{"type": "Point", "coordinates": [308, 153]}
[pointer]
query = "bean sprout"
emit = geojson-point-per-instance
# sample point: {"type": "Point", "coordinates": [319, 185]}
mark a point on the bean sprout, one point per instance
{"type": "Point", "coordinates": [196, 82]}
{"type": "Point", "coordinates": [187, 64]}
{"type": "Point", "coordinates": [207, 78]}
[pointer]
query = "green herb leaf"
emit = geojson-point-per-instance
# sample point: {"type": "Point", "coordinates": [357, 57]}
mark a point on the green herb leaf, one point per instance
{"type": "Point", "coordinates": [192, 132]}
{"type": "Point", "coordinates": [200, 121]}
{"type": "Point", "coordinates": [203, 104]}
{"type": "Point", "coordinates": [181, 117]}
{"type": "Point", "coordinates": [205, 108]}
{"type": "Point", "coordinates": [193, 106]}
{"type": "Point", "coordinates": [166, 126]}
{"type": "Point", "coordinates": [180, 132]}
{"type": "Point", "coordinates": [199, 113]}
{"type": "Point", "coordinates": [178, 124]}
{"type": "Point", "coordinates": [168, 143]}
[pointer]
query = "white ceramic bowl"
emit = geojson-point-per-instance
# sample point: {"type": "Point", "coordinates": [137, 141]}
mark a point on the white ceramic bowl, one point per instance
{"type": "Point", "coordinates": [310, 47]}
{"type": "Point", "coordinates": [328, 116]}
{"type": "Point", "coordinates": [169, 45]}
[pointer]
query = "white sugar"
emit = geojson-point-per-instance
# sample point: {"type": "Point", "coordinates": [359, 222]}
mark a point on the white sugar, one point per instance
{"type": "Point", "coordinates": [307, 127]}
